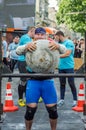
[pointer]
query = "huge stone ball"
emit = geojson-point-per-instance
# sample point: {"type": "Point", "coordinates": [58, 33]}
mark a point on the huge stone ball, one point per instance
{"type": "Point", "coordinates": [42, 60]}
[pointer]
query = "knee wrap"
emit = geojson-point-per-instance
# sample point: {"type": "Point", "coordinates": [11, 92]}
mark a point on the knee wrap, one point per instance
{"type": "Point", "coordinates": [30, 113]}
{"type": "Point", "coordinates": [52, 112]}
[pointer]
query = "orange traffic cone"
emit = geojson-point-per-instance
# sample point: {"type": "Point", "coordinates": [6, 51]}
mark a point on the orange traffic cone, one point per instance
{"type": "Point", "coordinates": [9, 104]}
{"type": "Point", "coordinates": [81, 99]}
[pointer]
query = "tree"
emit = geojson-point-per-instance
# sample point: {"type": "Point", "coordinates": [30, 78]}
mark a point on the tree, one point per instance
{"type": "Point", "coordinates": [73, 14]}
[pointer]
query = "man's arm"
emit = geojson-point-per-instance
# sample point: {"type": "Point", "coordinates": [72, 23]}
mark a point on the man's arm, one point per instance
{"type": "Point", "coordinates": [24, 48]}
{"type": "Point", "coordinates": [55, 46]}
{"type": "Point", "coordinates": [67, 53]}
{"type": "Point", "coordinates": [20, 50]}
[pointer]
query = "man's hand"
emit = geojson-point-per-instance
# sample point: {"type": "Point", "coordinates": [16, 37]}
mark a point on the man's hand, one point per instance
{"type": "Point", "coordinates": [31, 46]}
{"type": "Point", "coordinates": [53, 45]}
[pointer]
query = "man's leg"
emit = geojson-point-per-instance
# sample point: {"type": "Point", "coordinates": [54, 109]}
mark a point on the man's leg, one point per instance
{"type": "Point", "coordinates": [21, 91]}
{"type": "Point", "coordinates": [32, 97]}
{"type": "Point", "coordinates": [62, 91]}
{"type": "Point", "coordinates": [22, 84]}
{"type": "Point", "coordinates": [28, 124]}
{"type": "Point", "coordinates": [29, 115]}
{"type": "Point", "coordinates": [49, 96]}
{"type": "Point", "coordinates": [53, 115]}
{"type": "Point", "coordinates": [53, 124]}
{"type": "Point", "coordinates": [73, 90]}
{"type": "Point", "coordinates": [73, 87]}
{"type": "Point", "coordinates": [62, 85]}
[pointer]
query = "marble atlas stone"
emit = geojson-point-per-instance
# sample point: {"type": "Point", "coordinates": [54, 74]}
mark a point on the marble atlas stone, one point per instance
{"type": "Point", "coordinates": [42, 60]}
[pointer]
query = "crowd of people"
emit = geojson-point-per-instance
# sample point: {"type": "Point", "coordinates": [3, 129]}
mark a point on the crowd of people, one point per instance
{"type": "Point", "coordinates": [34, 89]}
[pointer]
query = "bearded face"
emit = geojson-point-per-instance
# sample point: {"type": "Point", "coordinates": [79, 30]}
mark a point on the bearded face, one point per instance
{"type": "Point", "coordinates": [59, 39]}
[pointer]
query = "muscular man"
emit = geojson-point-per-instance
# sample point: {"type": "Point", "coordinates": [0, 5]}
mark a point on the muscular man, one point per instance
{"type": "Point", "coordinates": [37, 88]}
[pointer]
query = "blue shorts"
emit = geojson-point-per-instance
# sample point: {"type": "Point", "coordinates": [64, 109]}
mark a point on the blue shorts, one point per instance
{"type": "Point", "coordinates": [41, 88]}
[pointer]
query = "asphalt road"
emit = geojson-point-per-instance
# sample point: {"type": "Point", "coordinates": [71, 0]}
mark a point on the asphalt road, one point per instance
{"type": "Point", "coordinates": [68, 119]}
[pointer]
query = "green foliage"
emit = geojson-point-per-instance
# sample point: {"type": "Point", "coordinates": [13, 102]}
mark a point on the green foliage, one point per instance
{"type": "Point", "coordinates": [73, 14]}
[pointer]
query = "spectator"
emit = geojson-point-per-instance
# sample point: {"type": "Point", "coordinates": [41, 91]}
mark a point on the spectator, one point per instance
{"type": "Point", "coordinates": [79, 50]}
{"type": "Point", "coordinates": [4, 46]}
{"type": "Point", "coordinates": [12, 55]}
{"type": "Point", "coordinates": [66, 66]}
{"type": "Point", "coordinates": [26, 38]}
{"type": "Point", "coordinates": [76, 55]}
{"type": "Point", "coordinates": [82, 48]}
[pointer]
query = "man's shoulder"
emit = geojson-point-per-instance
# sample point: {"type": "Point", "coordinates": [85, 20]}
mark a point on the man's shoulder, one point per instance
{"type": "Point", "coordinates": [25, 39]}
{"type": "Point", "coordinates": [4, 42]}
{"type": "Point", "coordinates": [68, 42]}
{"type": "Point", "coordinates": [25, 36]}
{"type": "Point", "coordinates": [11, 44]}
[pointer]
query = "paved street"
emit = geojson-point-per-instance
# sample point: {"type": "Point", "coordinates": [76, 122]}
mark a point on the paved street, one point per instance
{"type": "Point", "coordinates": [68, 119]}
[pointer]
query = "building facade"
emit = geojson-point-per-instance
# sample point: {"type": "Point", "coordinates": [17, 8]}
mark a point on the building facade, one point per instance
{"type": "Point", "coordinates": [45, 15]}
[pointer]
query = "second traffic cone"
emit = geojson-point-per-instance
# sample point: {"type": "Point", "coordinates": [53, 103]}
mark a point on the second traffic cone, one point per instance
{"type": "Point", "coordinates": [81, 99]}
{"type": "Point", "coordinates": [9, 104]}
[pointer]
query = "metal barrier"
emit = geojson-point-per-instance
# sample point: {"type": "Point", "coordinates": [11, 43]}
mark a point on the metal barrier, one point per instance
{"type": "Point", "coordinates": [40, 75]}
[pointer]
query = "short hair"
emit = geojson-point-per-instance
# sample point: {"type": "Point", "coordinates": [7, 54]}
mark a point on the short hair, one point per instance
{"type": "Point", "coordinates": [30, 28]}
{"type": "Point", "coordinates": [15, 36]}
{"type": "Point", "coordinates": [82, 39]}
{"type": "Point", "coordinates": [59, 33]}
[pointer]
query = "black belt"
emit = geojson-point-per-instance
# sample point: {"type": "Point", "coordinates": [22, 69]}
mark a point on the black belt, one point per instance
{"type": "Point", "coordinates": [40, 78]}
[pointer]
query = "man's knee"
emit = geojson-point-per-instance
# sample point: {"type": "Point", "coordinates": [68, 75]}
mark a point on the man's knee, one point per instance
{"type": "Point", "coordinates": [30, 113]}
{"type": "Point", "coordinates": [52, 112]}
{"type": "Point", "coordinates": [22, 82]}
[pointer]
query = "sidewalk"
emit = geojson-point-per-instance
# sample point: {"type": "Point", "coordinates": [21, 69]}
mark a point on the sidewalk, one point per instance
{"type": "Point", "coordinates": [68, 119]}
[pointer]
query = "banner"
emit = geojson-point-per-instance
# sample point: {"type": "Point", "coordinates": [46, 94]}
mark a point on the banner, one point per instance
{"type": "Point", "coordinates": [17, 13]}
